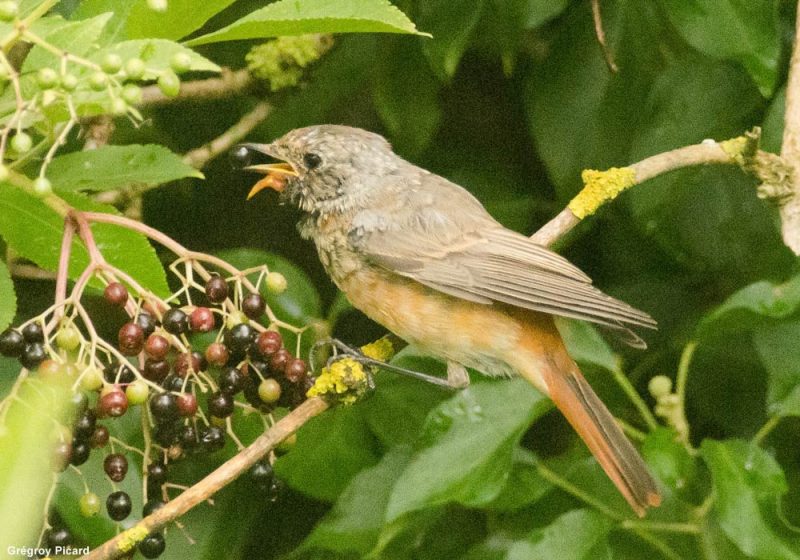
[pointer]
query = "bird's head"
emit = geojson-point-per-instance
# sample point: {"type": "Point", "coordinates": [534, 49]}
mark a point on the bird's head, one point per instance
{"type": "Point", "coordinates": [319, 168]}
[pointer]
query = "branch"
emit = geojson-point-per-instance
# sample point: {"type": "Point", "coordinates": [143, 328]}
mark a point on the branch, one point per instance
{"type": "Point", "coordinates": [200, 492]}
{"type": "Point", "coordinates": [601, 36]}
{"type": "Point", "coordinates": [603, 186]}
{"type": "Point", "coordinates": [229, 83]}
{"type": "Point", "coordinates": [790, 149]}
{"type": "Point", "coordinates": [199, 157]}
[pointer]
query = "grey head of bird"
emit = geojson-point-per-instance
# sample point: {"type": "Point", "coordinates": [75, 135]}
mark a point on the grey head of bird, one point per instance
{"type": "Point", "coordinates": [324, 168]}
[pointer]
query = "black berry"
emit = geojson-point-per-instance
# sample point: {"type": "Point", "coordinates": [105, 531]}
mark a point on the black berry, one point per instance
{"type": "Point", "coordinates": [220, 405]}
{"type": "Point", "coordinates": [118, 505]}
{"type": "Point", "coordinates": [58, 536]}
{"type": "Point", "coordinates": [175, 321]}
{"type": "Point", "coordinates": [33, 332]}
{"type": "Point", "coordinates": [84, 426]}
{"type": "Point", "coordinates": [231, 380]}
{"type": "Point", "coordinates": [296, 370]}
{"type": "Point", "coordinates": [239, 338]}
{"type": "Point", "coordinates": [157, 472]}
{"type": "Point", "coordinates": [253, 305]}
{"type": "Point", "coordinates": [147, 322]}
{"type": "Point", "coordinates": [164, 407]}
{"type": "Point", "coordinates": [155, 370]}
{"type": "Point", "coordinates": [33, 355]}
{"type": "Point", "coordinates": [278, 361]}
{"type": "Point", "coordinates": [216, 289]}
{"type": "Point", "coordinates": [151, 506]}
{"type": "Point", "coordinates": [80, 452]}
{"type": "Point", "coordinates": [153, 545]}
{"type": "Point", "coordinates": [212, 438]}
{"type": "Point", "coordinates": [262, 475]}
{"type": "Point", "coordinates": [12, 343]}
{"type": "Point", "coordinates": [100, 437]}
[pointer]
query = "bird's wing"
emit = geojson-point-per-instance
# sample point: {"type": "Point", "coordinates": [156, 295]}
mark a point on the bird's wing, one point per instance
{"type": "Point", "coordinates": [442, 237]}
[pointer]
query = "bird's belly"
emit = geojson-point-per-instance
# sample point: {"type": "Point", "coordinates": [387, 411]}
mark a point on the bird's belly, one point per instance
{"type": "Point", "coordinates": [475, 335]}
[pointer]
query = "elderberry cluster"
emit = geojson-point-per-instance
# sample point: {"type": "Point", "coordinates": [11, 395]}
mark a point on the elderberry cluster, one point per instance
{"type": "Point", "coordinates": [188, 392]}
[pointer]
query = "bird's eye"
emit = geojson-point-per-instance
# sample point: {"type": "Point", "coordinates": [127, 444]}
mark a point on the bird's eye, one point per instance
{"type": "Point", "coordinates": [240, 156]}
{"type": "Point", "coordinates": [312, 160]}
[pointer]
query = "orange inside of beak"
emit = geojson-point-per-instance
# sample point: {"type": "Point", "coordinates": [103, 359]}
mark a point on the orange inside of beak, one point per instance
{"type": "Point", "coordinates": [276, 177]}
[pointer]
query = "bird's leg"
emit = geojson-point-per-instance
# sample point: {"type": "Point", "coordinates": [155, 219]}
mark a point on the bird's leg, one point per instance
{"type": "Point", "coordinates": [457, 376]}
{"type": "Point", "coordinates": [359, 356]}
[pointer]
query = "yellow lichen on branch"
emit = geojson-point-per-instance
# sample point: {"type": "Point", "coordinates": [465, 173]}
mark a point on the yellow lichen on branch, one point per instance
{"type": "Point", "coordinates": [133, 536]}
{"type": "Point", "coordinates": [599, 188]}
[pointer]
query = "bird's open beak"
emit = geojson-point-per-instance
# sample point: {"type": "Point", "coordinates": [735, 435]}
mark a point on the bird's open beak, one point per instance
{"type": "Point", "coordinates": [276, 173]}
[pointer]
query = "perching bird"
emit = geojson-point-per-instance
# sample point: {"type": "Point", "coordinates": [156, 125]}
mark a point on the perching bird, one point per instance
{"type": "Point", "coordinates": [422, 257]}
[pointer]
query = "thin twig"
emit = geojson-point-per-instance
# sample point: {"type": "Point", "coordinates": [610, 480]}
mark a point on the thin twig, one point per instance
{"type": "Point", "coordinates": [199, 157]}
{"type": "Point", "coordinates": [223, 475]}
{"type": "Point", "coordinates": [682, 426]}
{"type": "Point", "coordinates": [229, 83]}
{"type": "Point", "coordinates": [790, 148]}
{"type": "Point", "coordinates": [601, 36]}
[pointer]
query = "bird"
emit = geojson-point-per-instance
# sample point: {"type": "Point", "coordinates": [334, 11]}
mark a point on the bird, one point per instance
{"type": "Point", "coordinates": [421, 256]}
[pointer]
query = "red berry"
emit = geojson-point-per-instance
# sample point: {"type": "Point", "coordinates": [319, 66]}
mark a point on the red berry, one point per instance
{"type": "Point", "coordinates": [216, 289]}
{"type": "Point", "coordinates": [100, 437]}
{"type": "Point", "coordinates": [217, 354]}
{"type": "Point", "coordinates": [187, 404]}
{"type": "Point", "coordinates": [269, 342]}
{"type": "Point", "coordinates": [201, 320]}
{"type": "Point", "coordinates": [113, 402]}
{"type": "Point", "coordinates": [156, 346]}
{"type": "Point", "coordinates": [131, 339]}
{"type": "Point", "coordinates": [116, 294]}
{"type": "Point", "coordinates": [296, 370]}
{"type": "Point", "coordinates": [195, 360]}
{"type": "Point", "coordinates": [254, 306]}
{"type": "Point", "coordinates": [278, 361]}
{"type": "Point", "coordinates": [116, 466]}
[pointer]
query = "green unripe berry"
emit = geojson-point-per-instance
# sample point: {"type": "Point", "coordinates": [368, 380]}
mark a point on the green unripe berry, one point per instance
{"type": "Point", "coordinates": [276, 283]}
{"type": "Point", "coordinates": [3, 172]}
{"type": "Point", "coordinates": [69, 82]}
{"type": "Point", "coordinates": [137, 392]}
{"type": "Point", "coordinates": [47, 78]}
{"type": "Point", "coordinates": [180, 62]}
{"type": "Point", "coordinates": [68, 338]}
{"type": "Point", "coordinates": [8, 10]}
{"type": "Point", "coordinates": [91, 379]}
{"type": "Point", "coordinates": [169, 83]}
{"type": "Point", "coordinates": [42, 186]}
{"type": "Point", "coordinates": [112, 63]}
{"type": "Point", "coordinates": [660, 386]}
{"type": "Point", "coordinates": [21, 143]}
{"type": "Point", "coordinates": [98, 81]}
{"type": "Point", "coordinates": [135, 68]}
{"type": "Point", "coordinates": [89, 504]}
{"type": "Point", "coordinates": [269, 391]}
{"type": "Point", "coordinates": [132, 94]}
{"type": "Point", "coordinates": [118, 106]}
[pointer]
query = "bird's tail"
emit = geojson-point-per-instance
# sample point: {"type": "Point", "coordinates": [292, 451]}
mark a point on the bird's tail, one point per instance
{"type": "Point", "coordinates": [587, 414]}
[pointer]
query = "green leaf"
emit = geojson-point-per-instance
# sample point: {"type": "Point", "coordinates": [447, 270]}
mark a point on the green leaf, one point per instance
{"type": "Point", "coordinates": [8, 297]}
{"type": "Point", "coordinates": [754, 305]}
{"type": "Point", "coordinates": [525, 485]}
{"type": "Point", "coordinates": [330, 450]}
{"type": "Point", "coordinates": [181, 18]}
{"type": "Point", "coordinates": [467, 448]}
{"type": "Point", "coordinates": [26, 459]}
{"type": "Point", "coordinates": [451, 22]}
{"type": "Point", "coordinates": [747, 482]}
{"type": "Point", "coordinates": [576, 535]}
{"type": "Point", "coordinates": [289, 17]}
{"type": "Point", "coordinates": [585, 344]}
{"type": "Point", "coordinates": [76, 37]}
{"type": "Point", "coordinates": [356, 519]}
{"type": "Point", "coordinates": [407, 97]}
{"type": "Point", "coordinates": [772, 127]}
{"type": "Point", "coordinates": [120, 9]}
{"type": "Point", "coordinates": [34, 230]}
{"type": "Point", "coordinates": [156, 54]}
{"type": "Point", "coordinates": [113, 167]}
{"type": "Point", "coordinates": [541, 11]}
{"type": "Point", "coordinates": [746, 31]}
{"type": "Point", "coordinates": [780, 353]}
{"type": "Point", "coordinates": [669, 459]}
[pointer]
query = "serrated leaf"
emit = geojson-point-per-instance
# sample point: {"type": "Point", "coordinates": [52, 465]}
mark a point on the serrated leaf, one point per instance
{"type": "Point", "coordinates": [778, 348]}
{"type": "Point", "coordinates": [156, 54]}
{"type": "Point", "coordinates": [743, 30]}
{"type": "Point", "coordinates": [745, 475]}
{"type": "Point", "coordinates": [181, 18]}
{"type": "Point", "coordinates": [34, 230]}
{"type": "Point", "coordinates": [289, 17]}
{"type": "Point", "coordinates": [407, 97]}
{"type": "Point", "coordinates": [576, 535]}
{"type": "Point", "coordinates": [356, 519]}
{"type": "Point", "coordinates": [339, 439]}
{"type": "Point", "coordinates": [113, 167]}
{"type": "Point", "coordinates": [467, 448]}
{"type": "Point", "coordinates": [451, 22]}
{"type": "Point", "coordinates": [752, 306]}
{"type": "Point", "coordinates": [8, 297]}
{"type": "Point", "coordinates": [75, 37]}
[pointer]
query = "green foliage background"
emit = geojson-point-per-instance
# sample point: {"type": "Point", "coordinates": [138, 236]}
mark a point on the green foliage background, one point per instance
{"type": "Point", "coordinates": [511, 99]}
